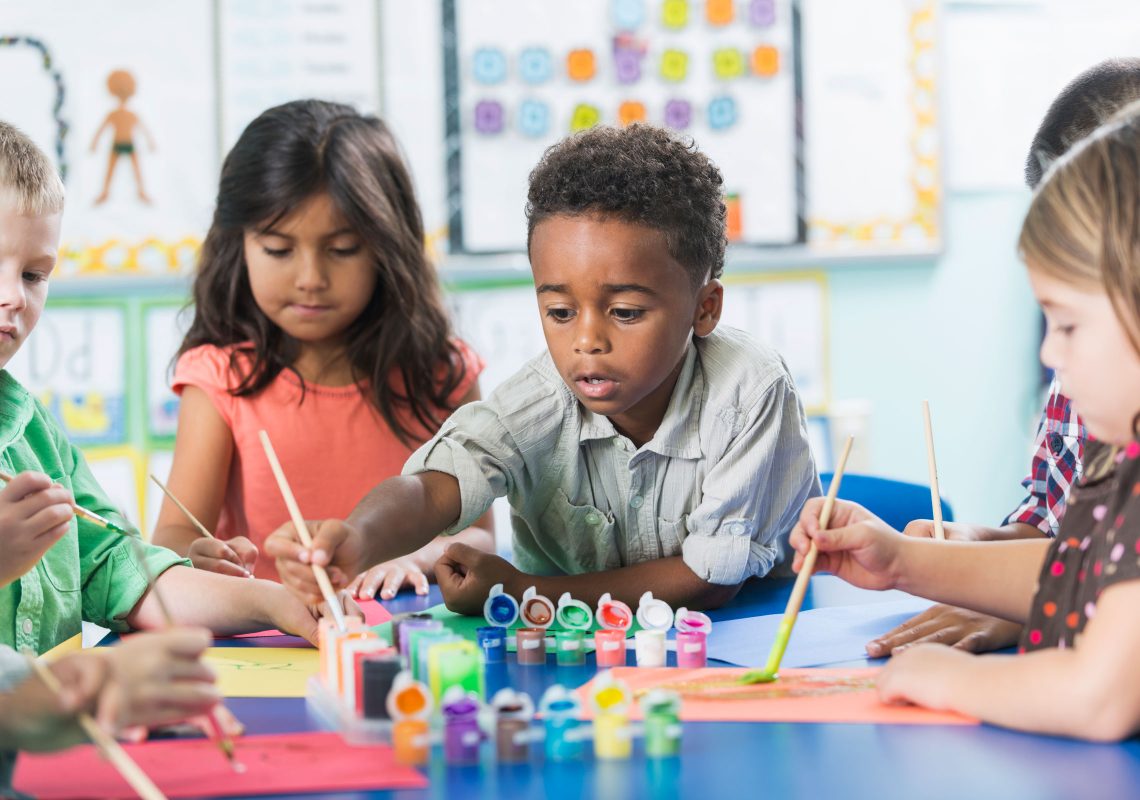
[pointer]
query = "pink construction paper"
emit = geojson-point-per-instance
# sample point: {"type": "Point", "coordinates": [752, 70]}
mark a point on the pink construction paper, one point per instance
{"type": "Point", "coordinates": [277, 764]}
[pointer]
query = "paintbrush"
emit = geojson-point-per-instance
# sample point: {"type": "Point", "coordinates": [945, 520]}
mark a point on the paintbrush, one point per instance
{"type": "Point", "coordinates": [225, 743]}
{"type": "Point", "coordinates": [303, 531]}
{"type": "Point", "coordinates": [791, 612]}
{"type": "Point", "coordinates": [935, 494]}
{"type": "Point", "coordinates": [80, 511]}
{"type": "Point", "coordinates": [193, 519]}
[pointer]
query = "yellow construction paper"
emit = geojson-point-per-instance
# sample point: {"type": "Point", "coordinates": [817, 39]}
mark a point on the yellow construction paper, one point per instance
{"type": "Point", "coordinates": [263, 671]}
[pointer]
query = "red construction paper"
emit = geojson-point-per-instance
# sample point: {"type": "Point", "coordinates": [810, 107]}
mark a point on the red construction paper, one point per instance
{"type": "Point", "coordinates": [374, 614]}
{"type": "Point", "coordinates": [858, 705]}
{"type": "Point", "coordinates": [277, 764]}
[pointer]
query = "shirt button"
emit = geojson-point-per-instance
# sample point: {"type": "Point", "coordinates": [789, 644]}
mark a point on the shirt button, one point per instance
{"type": "Point", "coordinates": [636, 501]}
{"type": "Point", "coordinates": [27, 626]}
{"type": "Point", "coordinates": [737, 529]}
{"type": "Point", "coordinates": [593, 519]}
{"type": "Point", "coordinates": [1056, 444]}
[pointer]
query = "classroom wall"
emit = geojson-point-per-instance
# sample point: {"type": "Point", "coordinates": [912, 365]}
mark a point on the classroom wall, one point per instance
{"type": "Point", "coordinates": [960, 330]}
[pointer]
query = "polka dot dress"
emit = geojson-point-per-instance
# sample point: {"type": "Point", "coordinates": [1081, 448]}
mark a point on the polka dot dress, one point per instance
{"type": "Point", "coordinates": [1098, 545]}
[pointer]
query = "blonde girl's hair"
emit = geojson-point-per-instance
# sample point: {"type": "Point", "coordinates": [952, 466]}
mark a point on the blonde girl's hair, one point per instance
{"type": "Point", "coordinates": [1083, 226]}
{"type": "Point", "coordinates": [1083, 229]}
{"type": "Point", "coordinates": [29, 182]}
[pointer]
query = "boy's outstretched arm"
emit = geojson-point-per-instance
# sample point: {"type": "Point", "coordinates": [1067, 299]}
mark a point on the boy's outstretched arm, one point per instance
{"type": "Point", "coordinates": [399, 516]}
{"type": "Point", "coordinates": [466, 575]}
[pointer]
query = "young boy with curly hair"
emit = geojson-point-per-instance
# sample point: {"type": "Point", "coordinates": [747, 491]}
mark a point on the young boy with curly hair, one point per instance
{"type": "Point", "coordinates": [647, 449]}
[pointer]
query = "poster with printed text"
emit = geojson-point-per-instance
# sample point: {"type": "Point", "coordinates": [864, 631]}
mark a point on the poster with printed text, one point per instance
{"type": "Point", "coordinates": [525, 73]}
{"type": "Point", "coordinates": [76, 364]}
{"type": "Point", "coordinates": [274, 51]}
{"type": "Point", "coordinates": [165, 326]}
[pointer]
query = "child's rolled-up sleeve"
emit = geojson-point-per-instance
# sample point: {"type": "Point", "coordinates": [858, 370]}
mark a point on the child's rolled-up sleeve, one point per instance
{"type": "Point", "coordinates": [752, 496]}
{"type": "Point", "coordinates": [476, 449]}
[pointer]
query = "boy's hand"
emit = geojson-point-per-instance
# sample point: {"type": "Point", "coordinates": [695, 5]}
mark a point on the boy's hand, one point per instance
{"type": "Point", "coordinates": [291, 615]}
{"type": "Point", "coordinates": [156, 679]}
{"type": "Point", "coordinates": [857, 546]}
{"type": "Point", "coordinates": [230, 557]}
{"type": "Point", "coordinates": [337, 546]}
{"type": "Point", "coordinates": [921, 676]}
{"type": "Point", "coordinates": [465, 576]}
{"type": "Point", "coordinates": [955, 531]}
{"type": "Point", "coordinates": [958, 627]}
{"type": "Point", "coordinates": [38, 719]}
{"type": "Point", "coordinates": [388, 578]}
{"type": "Point", "coordinates": [34, 514]}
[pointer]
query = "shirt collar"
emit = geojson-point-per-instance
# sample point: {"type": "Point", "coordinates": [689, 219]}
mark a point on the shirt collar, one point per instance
{"type": "Point", "coordinates": [16, 408]}
{"type": "Point", "coordinates": [677, 435]}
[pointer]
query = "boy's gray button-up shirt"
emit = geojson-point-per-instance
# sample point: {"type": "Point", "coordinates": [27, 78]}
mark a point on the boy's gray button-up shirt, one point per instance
{"type": "Point", "coordinates": [721, 483]}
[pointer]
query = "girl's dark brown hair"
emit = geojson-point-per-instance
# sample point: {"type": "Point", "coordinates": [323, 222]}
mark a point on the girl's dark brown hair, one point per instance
{"type": "Point", "coordinates": [285, 156]}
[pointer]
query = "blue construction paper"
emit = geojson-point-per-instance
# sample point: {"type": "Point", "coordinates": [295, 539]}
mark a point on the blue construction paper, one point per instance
{"type": "Point", "coordinates": [821, 636]}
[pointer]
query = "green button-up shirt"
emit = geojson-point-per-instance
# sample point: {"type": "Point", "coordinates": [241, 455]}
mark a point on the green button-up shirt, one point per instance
{"type": "Point", "coordinates": [91, 573]}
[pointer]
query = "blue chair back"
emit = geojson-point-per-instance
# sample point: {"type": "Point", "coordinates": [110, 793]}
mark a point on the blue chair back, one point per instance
{"type": "Point", "coordinates": [895, 502]}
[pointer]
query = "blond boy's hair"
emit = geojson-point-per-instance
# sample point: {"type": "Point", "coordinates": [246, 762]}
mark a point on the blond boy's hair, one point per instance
{"type": "Point", "coordinates": [29, 183]}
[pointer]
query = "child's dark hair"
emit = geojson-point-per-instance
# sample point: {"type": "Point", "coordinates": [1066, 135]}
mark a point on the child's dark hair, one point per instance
{"type": "Point", "coordinates": [282, 158]}
{"type": "Point", "coordinates": [1083, 105]}
{"type": "Point", "coordinates": [639, 174]}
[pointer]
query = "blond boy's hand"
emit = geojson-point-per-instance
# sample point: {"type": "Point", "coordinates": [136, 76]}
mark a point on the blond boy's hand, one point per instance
{"type": "Point", "coordinates": [235, 556]}
{"type": "Point", "coordinates": [337, 546]}
{"type": "Point", "coordinates": [35, 513]}
{"type": "Point", "coordinates": [466, 574]}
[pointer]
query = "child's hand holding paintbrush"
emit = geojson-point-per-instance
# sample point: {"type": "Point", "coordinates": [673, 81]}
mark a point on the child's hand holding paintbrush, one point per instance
{"type": "Point", "coordinates": [34, 514]}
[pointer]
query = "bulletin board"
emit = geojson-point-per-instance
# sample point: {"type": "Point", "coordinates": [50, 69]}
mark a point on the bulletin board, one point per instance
{"type": "Point", "coordinates": [721, 71]}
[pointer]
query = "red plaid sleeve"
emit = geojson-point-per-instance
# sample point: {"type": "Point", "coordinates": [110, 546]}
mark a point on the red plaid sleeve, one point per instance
{"type": "Point", "coordinates": [1058, 449]}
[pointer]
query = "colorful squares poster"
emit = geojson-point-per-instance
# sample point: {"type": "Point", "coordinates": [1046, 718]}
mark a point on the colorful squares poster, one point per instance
{"type": "Point", "coordinates": [722, 72]}
{"type": "Point", "coordinates": [76, 364]}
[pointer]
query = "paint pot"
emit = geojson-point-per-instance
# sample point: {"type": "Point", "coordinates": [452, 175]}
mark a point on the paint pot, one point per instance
{"type": "Point", "coordinates": [512, 714]}
{"type": "Point", "coordinates": [649, 647]}
{"type": "Point", "coordinates": [609, 642]}
{"type": "Point", "coordinates": [531, 644]}
{"type": "Point", "coordinates": [655, 617]}
{"type": "Point", "coordinates": [693, 629]}
{"type": "Point", "coordinates": [461, 733]}
{"type": "Point", "coordinates": [575, 618]}
{"type": "Point", "coordinates": [500, 609]}
{"type": "Point", "coordinates": [377, 674]}
{"type": "Point", "coordinates": [536, 610]}
{"type": "Point", "coordinates": [409, 704]}
{"type": "Point", "coordinates": [492, 642]}
{"type": "Point", "coordinates": [661, 710]}
{"type": "Point", "coordinates": [398, 622]}
{"type": "Point", "coordinates": [410, 626]}
{"type": "Point", "coordinates": [610, 698]}
{"type": "Point", "coordinates": [560, 710]}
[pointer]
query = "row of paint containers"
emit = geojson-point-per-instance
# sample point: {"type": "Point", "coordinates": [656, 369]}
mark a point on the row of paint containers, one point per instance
{"type": "Point", "coordinates": [508, 722]}
{"type": "Point", "coordinates": [575, 619]}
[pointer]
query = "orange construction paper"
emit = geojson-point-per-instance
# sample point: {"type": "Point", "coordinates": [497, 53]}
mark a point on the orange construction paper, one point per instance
{"type": "Point", "coordinates": [845, 698]}
{"type": "Point", "coordinates": [279, 764]}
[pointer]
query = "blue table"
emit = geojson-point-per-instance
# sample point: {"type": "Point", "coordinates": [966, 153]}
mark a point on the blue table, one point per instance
{"type": "Point", "coordinates": [724, 761]}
